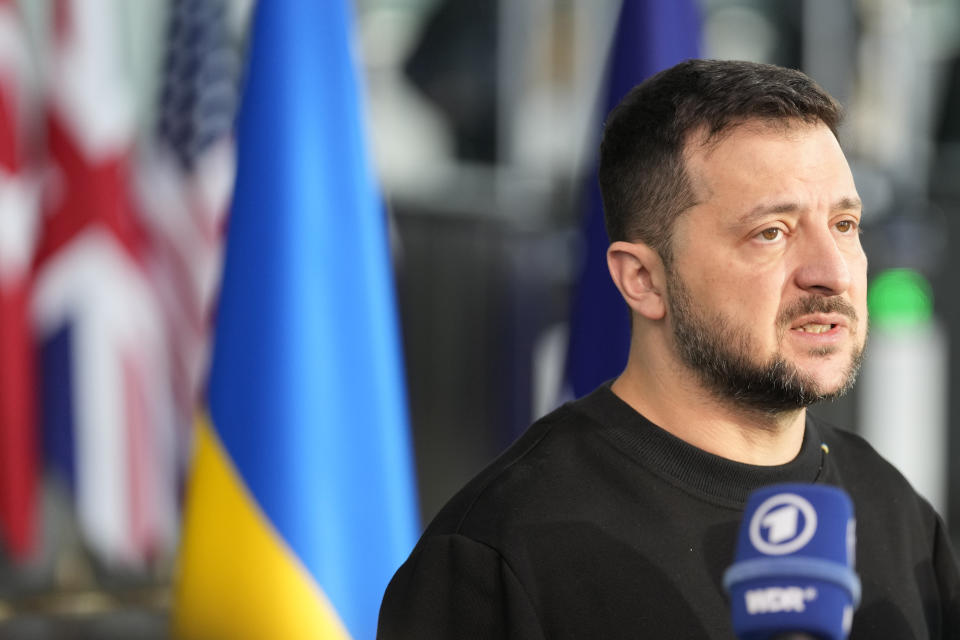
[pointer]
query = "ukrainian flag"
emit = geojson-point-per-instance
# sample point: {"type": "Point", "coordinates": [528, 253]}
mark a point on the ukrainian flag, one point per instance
{"type": "Point", "coordinates": [301, 503]}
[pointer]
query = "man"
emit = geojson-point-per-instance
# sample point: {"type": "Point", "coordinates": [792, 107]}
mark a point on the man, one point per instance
{"type": "Point", "coordinates": [734, 223]}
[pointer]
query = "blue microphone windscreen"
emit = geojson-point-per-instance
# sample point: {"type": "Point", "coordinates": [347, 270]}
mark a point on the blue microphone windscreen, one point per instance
{"type": "Point", "coordinates": [794, 565]}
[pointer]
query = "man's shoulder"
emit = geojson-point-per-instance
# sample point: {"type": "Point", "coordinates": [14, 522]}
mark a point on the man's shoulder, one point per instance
{"type": "Point", "coordinates": [852, 462]}
{"type": "Point", "coordinates": [852, 450]}
{"type": "Point", "coordinates": [527, 478]}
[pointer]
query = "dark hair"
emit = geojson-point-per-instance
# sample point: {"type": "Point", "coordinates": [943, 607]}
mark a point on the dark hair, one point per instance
{"type": "Point", "coordinates": [642, 176]}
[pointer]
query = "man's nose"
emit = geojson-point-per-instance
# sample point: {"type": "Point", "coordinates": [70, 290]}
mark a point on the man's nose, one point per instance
{"type": "Point", "coordinates": [822, 266]}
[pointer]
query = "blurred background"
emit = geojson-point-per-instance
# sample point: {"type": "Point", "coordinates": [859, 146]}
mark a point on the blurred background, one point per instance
{"type": "Point", "coordinates": [483, 122]}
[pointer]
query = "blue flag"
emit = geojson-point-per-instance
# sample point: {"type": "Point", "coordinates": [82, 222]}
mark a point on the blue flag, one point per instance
{"type": "Point", "coordinates": [651, 35]}
{"type": "Point", "coordinates": [301, 504]}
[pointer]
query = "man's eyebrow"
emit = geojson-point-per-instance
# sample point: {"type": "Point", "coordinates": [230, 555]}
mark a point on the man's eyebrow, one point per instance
{"type": "Point", "coordinates": [846, 204]}
{"type": "Point", "coordinates": [765, 209]}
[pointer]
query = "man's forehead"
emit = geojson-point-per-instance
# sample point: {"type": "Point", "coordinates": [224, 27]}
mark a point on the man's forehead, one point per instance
{"type": "Point", "coordinates": [703, 140]}
{"type": "Point", "coordinates": [745, 150]}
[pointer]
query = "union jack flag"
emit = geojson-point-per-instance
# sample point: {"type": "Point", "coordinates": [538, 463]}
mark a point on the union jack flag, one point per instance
{"type": "Point", "coordinates": [105, 385]}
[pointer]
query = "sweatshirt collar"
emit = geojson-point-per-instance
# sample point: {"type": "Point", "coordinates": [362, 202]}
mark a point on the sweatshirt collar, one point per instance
{"type": "Point", "coordinates": [708, 476]}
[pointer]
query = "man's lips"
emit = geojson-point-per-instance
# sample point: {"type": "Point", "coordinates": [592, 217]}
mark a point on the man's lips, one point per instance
{"type": "Point", "coordinates": [813, 312]}
{"type": "Point", "coordinates": [820, 329]}
{"type": "Point", "coordinates": [819, 323]}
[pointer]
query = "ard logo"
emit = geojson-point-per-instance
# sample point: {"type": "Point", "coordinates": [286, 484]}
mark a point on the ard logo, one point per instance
{"type": "Point", "coordinates": [783, 523]}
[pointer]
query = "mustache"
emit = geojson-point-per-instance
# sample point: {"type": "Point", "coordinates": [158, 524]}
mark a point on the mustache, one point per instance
{"type": "Point", "coordinates": [817, 304]}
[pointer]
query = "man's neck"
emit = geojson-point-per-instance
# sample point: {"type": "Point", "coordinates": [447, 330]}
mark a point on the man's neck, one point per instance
{"type": "Point", "coordinates": [722, 428]}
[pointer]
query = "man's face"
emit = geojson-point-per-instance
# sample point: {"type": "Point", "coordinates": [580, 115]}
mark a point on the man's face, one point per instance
{"type": "Point", "coordinates": [767, 288]}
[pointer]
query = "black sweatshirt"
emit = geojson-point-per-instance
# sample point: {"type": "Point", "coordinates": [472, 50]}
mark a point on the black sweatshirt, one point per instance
{"type": "Point", "coordinates": [598, 524]}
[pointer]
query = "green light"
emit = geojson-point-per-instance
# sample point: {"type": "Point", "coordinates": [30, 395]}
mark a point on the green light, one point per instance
{"type": "Point", "coordinates": [900, 298]}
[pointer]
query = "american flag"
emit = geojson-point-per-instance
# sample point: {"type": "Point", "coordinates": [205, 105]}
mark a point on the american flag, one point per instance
{"type": "Point", "coordinates": [186, 181]}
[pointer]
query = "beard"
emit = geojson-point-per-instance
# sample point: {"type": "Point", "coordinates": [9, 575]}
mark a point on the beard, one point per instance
{"type": "Point", "coordinates": [724, 356]}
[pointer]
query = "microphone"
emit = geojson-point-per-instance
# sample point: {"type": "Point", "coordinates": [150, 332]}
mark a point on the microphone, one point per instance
{"type": "Point", "coordinates": [793, 573]}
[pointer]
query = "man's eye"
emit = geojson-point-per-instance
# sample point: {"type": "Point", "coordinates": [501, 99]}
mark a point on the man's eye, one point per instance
{"type": "Point", "coordinates": [771, 234]}
{"type": "Point", "coordinates": [845, 226]}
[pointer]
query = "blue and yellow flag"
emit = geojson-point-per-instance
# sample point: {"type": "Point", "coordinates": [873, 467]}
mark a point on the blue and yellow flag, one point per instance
{"type": "Point", "coordinates": [301, 502]}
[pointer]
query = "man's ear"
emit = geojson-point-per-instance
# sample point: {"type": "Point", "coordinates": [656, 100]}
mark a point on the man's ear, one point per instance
{"type": "Point", "coordinates": [638, 272]}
